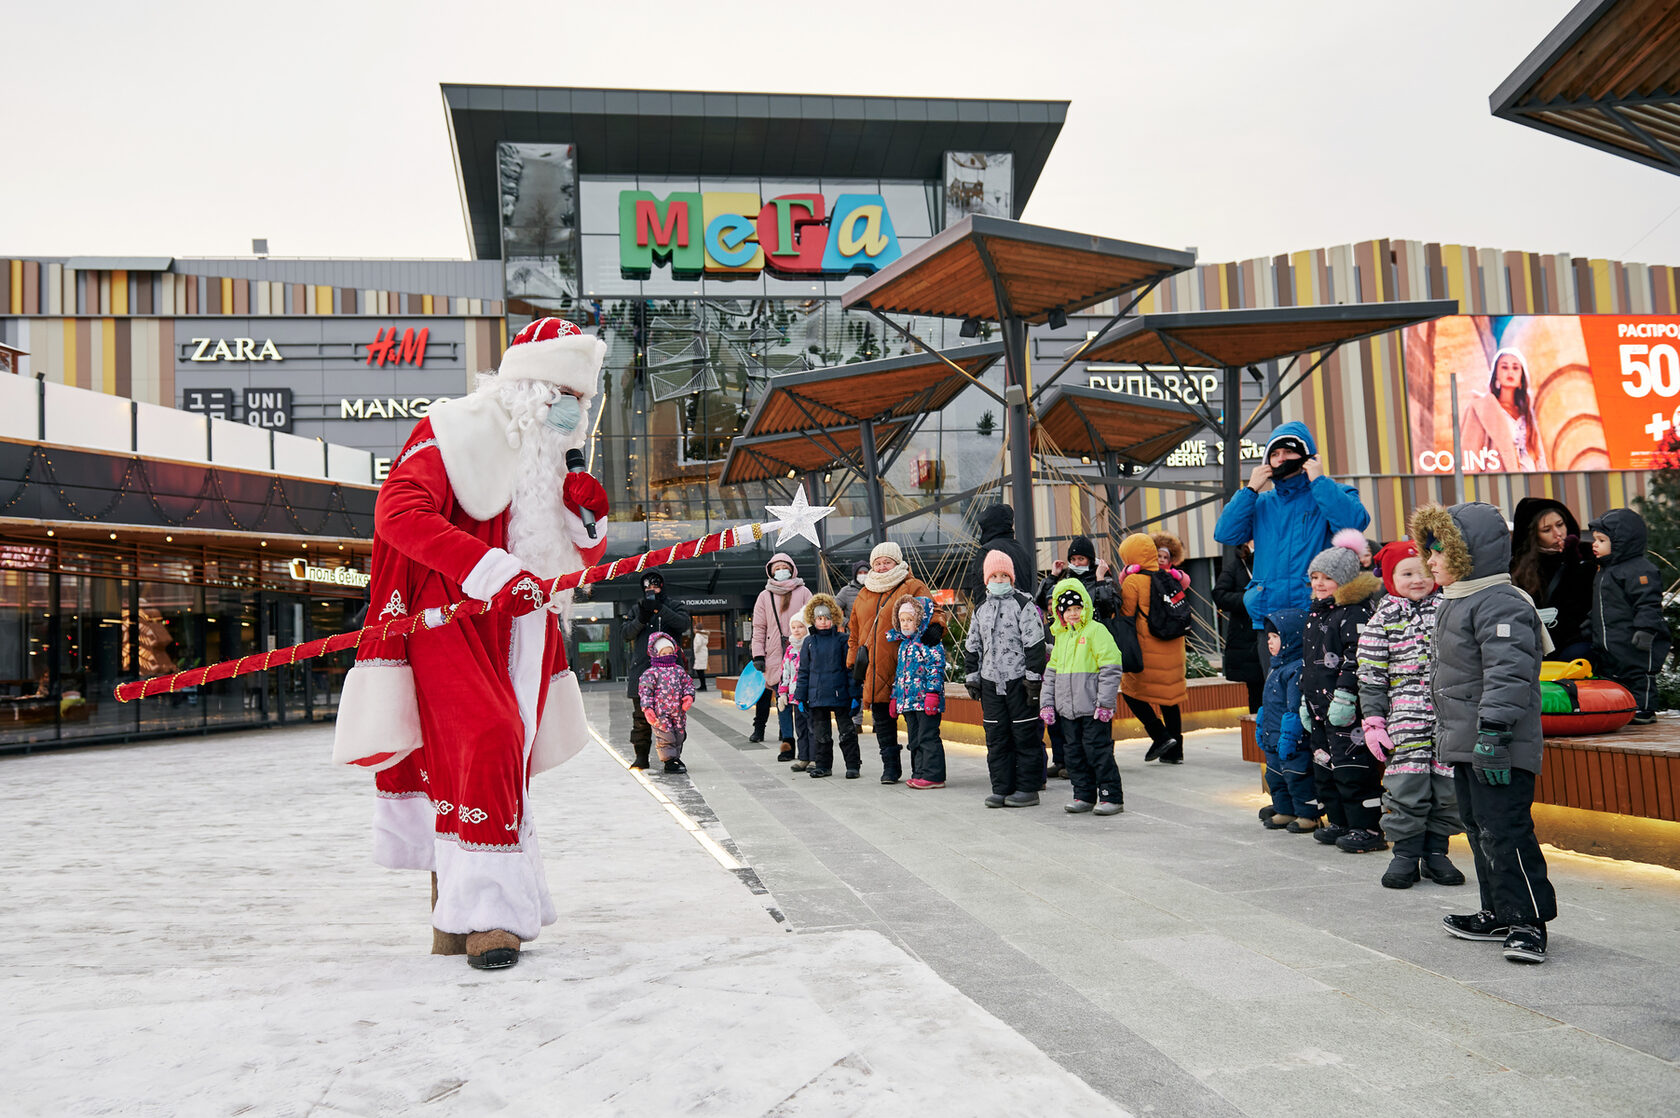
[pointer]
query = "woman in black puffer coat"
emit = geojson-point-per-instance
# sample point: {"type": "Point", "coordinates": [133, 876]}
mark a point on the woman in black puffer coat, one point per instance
{"type": "Point", "coordinates": [1242, 651]}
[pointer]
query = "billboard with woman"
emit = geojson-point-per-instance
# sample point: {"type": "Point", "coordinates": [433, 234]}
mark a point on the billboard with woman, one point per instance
{"type": "Point", "coordinates": [1542, 392]}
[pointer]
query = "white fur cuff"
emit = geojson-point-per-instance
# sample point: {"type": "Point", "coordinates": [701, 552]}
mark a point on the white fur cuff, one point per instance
{"type": "Point", "coordinates": [404, 833]}
{"type": "Point", "coordinates": [491, 574]}
{"type": "Point", "coordinates": [378, 717]}
{"type": "Point", "coordinates": [563, 731]}
{"type": "Point", "coordinates": [579, 534]}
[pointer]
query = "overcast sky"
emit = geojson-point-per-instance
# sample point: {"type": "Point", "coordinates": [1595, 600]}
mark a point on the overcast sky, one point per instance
{"type": "Point", "coordinates": [1242, 128]}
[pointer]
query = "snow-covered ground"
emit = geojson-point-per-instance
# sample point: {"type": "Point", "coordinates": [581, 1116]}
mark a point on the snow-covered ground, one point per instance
{"type": "Point", "coordinates": [196, 928]}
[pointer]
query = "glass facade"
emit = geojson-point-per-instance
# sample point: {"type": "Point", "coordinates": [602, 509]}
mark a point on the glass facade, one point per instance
{"type": "Point", "coordinates": [77, 619]}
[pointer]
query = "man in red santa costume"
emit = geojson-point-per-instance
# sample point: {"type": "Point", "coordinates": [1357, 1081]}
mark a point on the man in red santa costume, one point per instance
{"type": "Point", "coordinates": [455, 719]}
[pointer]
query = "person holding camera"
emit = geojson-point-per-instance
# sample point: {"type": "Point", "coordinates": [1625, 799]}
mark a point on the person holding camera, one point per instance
{"type": "Point", "coordinates": [652, 614]}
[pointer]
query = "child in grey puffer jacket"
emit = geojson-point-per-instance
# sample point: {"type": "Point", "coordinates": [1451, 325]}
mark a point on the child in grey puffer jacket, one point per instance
{"type": "Point", "coordinates": [1485, 683]}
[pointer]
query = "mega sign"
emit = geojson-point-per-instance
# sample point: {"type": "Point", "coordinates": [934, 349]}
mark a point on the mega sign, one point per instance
{"type": "Point", "coordinates": [732, 233]}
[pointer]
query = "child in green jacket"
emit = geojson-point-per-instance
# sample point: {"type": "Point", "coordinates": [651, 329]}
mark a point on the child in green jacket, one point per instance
{"type": "Point", "coordinates": [1082, 687]}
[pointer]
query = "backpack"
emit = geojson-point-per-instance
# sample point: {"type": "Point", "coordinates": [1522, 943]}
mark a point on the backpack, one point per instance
{"type": "Point", "coordinates": [1169, 606]}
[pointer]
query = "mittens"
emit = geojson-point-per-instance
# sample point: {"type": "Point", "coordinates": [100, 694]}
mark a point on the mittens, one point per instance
{"type": "Point", "coordinates": [521, 594]}
{"type": "Point", "coordinates": [1047, 716]}
{"type": "Point", "coordinates": [1306, 715]}
{"type": "Point", "coordinates": [688, 701]}
{"type": "Point", "coordinates": [1491, 759]}
{"type": "Point", "coordinates": [892, 708]}
{"type": "Point", "coordinates": [1344, 704]}
{"type": "Point", "coordinates": [1103, 714]}
{"type": "Point", "coordinates": [580, 491]}
{"type": "Point", "coordinates": [1376, 737]}
{"type": "Point", "coordinates": [930, 703]}
{"type": "Point", "coordinates": [973, 690]}
{"type": "Point", "coordinates": [1643, 639]}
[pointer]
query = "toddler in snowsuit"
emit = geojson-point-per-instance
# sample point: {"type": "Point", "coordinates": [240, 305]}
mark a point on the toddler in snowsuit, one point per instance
{"type": "Point", "coordinates": [798, 630]}
{"type": "Point", "coordinates": [1420, 805]}
{"type": "Point", "coordinates": [1289, 772]}
{"type": "Point", "coordinates": [1004, 662]}
{"type": "Point", "coordinates": [1485, 681]}
{"type": "Point", "coordinates": [666, 691]}
{"type": "Point", "coordinates": [1081, 687]}
{"type": "Point", "coordinates": [826, 693]}
{"type": "Point", "coordinates": [1626, 626]}
{"type": "Point", "coordinates": [918, 691]}
{"type": "Point", "coordinates": [1349, 779]}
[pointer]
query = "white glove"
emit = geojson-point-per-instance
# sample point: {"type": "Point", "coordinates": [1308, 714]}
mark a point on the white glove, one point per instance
{"type": "Point", "coordinates": [1548, 616]}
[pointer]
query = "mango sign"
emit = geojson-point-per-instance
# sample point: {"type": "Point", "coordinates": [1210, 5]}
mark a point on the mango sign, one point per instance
{"type": "Point", "coordinates": [725, 233]}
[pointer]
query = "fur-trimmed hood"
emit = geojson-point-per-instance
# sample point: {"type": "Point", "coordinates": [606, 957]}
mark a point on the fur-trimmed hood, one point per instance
{"type": "Point", "coordinates": [922, 603]}
{"type": "Point", "coordinates": [1472, 538]}
{"type": "Point", "coordinates": [1362, 586]}
{"type": "Point", "coordinates": [1175, 548]}
{"type": "Point", "coordinates": [808, 614]}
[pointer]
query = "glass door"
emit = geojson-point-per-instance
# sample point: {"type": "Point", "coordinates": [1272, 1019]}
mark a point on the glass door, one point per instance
{"type": "Point", "coordinates": [287, 696]}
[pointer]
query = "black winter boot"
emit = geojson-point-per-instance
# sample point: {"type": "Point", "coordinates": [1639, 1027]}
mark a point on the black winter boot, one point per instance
{"type": "Point", "coordinates": [1402, 872]}
{"type": "Point", "coordinates": [1436, 866]}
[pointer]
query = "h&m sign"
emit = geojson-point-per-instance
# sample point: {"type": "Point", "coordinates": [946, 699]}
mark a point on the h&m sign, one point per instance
{"type": "Point", "coordinates": [735, 233]}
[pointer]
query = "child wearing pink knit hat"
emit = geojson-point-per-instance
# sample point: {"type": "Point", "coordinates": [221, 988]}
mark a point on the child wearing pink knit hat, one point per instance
{"type": "Point", "coordinates": [1004, 662]}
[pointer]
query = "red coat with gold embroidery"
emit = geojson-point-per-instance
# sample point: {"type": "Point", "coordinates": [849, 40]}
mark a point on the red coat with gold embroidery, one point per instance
{"type": "Point", "coordinates": [463, 713]}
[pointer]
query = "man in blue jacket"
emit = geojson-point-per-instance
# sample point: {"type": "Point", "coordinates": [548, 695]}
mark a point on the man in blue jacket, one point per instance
{"type": "Point", "coordinates": [1290, 522]}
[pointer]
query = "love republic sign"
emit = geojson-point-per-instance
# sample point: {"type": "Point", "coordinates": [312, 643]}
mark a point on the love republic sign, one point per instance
{"type": "Point", "coordinates": [733, 233]}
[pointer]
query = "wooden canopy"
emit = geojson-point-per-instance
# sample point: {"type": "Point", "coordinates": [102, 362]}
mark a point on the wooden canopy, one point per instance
{"type": "Point", "coordinates": [1607, 76]}
{"type": "Point", "coordinates": [1091, 421]}
{"type": "Point", "coordinates": [992, 268]}
{"type": "Point", "coordinates": [762, 457]}
{"type": "Point", "coordinates": [904, 386]}
{"type": "Point", "coordinates": [1232, 339]}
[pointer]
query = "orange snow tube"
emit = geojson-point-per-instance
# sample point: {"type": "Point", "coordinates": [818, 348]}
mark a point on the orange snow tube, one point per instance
{"type": "Point", "coordinates": [1571, 707]}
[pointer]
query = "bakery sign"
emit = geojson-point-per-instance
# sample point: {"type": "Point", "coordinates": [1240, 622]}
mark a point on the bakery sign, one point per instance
{"type": "Point", "coordinates": [302, 571]}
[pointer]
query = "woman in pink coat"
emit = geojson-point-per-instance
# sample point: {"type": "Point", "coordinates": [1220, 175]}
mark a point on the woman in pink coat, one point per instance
{"type": "Point", "coordinates": [783, 596]}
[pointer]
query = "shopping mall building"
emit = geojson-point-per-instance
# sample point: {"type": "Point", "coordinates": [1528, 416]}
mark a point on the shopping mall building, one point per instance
{"type": "Point", "coordinates": [708, 238]}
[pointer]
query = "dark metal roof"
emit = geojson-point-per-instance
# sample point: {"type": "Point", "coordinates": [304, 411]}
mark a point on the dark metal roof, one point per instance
{"type": "Point", "coordinates": [762, 457]}
{"type": "Point", "coordinates": [1229, 339]}
{"type": "Point", "coordinates": [776, 135]}
{"type": "Point", "coordinates": [960, 272]}
{"type": "Point", "coordinates": [1607, 76]}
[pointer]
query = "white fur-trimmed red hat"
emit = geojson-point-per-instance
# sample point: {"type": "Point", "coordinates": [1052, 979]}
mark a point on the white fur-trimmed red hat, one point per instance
{"type": "Point", "coordinates": [556, 351]}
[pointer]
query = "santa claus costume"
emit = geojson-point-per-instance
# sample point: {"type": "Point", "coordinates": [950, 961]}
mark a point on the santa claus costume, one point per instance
{"type": "Point", "coordinates": [456, 719]}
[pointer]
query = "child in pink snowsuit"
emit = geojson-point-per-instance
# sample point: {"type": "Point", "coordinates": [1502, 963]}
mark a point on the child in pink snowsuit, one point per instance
{"type": "Point", "coordinates": [667, 691]}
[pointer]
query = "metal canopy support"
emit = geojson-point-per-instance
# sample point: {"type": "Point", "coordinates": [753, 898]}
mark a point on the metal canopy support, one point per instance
{"type": "Point", "coordinates": [872, 482]}
{"type": "Point", "coordinates": [1016, 391]}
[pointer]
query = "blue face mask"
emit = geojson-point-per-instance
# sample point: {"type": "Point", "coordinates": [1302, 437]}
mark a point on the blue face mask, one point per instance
{"type": "Point", "coordinates": [1000, 589]}
{"type": "Point", "coordinates": [565, 413]}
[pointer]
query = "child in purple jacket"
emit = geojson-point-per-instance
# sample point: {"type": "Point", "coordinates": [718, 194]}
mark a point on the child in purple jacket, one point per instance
{"type": "Point", "coordinates": [667, 691]}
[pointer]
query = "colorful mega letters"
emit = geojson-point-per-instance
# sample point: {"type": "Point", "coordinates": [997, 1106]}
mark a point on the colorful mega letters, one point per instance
{"type": "Point", "coordinates": [723, 233]}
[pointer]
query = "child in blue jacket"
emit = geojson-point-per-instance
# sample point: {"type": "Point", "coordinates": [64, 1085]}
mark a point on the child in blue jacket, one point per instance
{"type": "Point", "coordinates": [919, 691]}
{"type": "Point", "coordinates": [1283, 740]}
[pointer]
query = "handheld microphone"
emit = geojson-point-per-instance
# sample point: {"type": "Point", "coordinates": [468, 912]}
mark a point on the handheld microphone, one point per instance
{"type": "Point", "coordinates": [575, 465]}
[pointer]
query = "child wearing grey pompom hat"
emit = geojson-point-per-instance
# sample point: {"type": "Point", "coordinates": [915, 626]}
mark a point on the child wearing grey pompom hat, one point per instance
{"type": "Point", "coordinates": [1348, 779]}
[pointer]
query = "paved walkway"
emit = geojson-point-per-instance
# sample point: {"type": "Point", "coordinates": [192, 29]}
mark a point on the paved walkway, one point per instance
{"type": "Point", "coordinates": [198, 930]}
{"type": "Point", "coordinates": [1180, 958]}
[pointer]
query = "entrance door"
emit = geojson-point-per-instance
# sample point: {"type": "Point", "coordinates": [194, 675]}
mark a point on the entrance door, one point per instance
{"type": "Point", "coordinates": [715, 626]}
{"type": "Point", "coordinates": [286, 696]}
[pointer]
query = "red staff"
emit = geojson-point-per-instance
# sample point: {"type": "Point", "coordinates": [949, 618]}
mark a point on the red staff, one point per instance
{"type": "Point", "coordinates": [797, 519]}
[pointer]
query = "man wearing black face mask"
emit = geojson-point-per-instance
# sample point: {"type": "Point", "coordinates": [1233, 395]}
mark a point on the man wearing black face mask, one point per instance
{"type": "Point", "coordinates": [1081, 563]}
{"type": "Point", "coordinates": [1290, 509]}
{"type": "Point", "coordinates": [652, 613]}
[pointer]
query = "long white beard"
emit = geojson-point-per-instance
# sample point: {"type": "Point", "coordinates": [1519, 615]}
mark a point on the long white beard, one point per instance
{"type": "Point", "coordinates": [536, 529]}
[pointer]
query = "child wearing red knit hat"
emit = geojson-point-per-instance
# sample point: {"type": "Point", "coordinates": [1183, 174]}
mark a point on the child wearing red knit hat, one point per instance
{"type": "Point", "coordinates": [1420, 804]}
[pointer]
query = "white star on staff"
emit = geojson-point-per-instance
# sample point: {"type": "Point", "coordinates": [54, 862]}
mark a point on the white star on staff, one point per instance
{"type": "Point", "coordinates": [797, 519]}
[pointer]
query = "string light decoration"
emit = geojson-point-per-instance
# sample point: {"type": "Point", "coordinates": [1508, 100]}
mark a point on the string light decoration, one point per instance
{"type": "Point", "coordinates": [135, 476]}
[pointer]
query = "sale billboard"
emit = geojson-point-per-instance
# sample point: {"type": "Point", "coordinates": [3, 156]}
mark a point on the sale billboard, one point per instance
{"type": "Point", "coordinates": [1543, 392]}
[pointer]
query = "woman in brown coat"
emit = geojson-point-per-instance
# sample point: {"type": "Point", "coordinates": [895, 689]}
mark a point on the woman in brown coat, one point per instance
{"type": "Point", "coordinates": [1161, 682]}
{"type": "Point", "coordinates": [888, 580]}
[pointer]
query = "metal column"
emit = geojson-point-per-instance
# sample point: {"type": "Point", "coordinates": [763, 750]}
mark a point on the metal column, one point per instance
{"type": "Point", "coordinates": [1111, 482]}
{"type": "Point", "coordinates": [1232, 477]}
{"type": "Point", "coordinates": [872, 483]}
{"type": "Point", "coordinates": [1020, 448]}
{"type": "Point", "coordinates": [819, 496]}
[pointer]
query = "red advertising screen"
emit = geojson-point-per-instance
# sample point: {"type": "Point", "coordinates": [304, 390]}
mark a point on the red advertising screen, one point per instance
{"type": "Point", "coordinates": [1543, 392]}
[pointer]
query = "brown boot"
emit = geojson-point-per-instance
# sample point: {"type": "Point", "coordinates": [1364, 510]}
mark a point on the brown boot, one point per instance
{"type": "Point", "coordinates": [1303, 825]}
{"type": "Point", "coordinates": [445, 943]}
{"type": "Point", "coordinates": [492, 950]}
